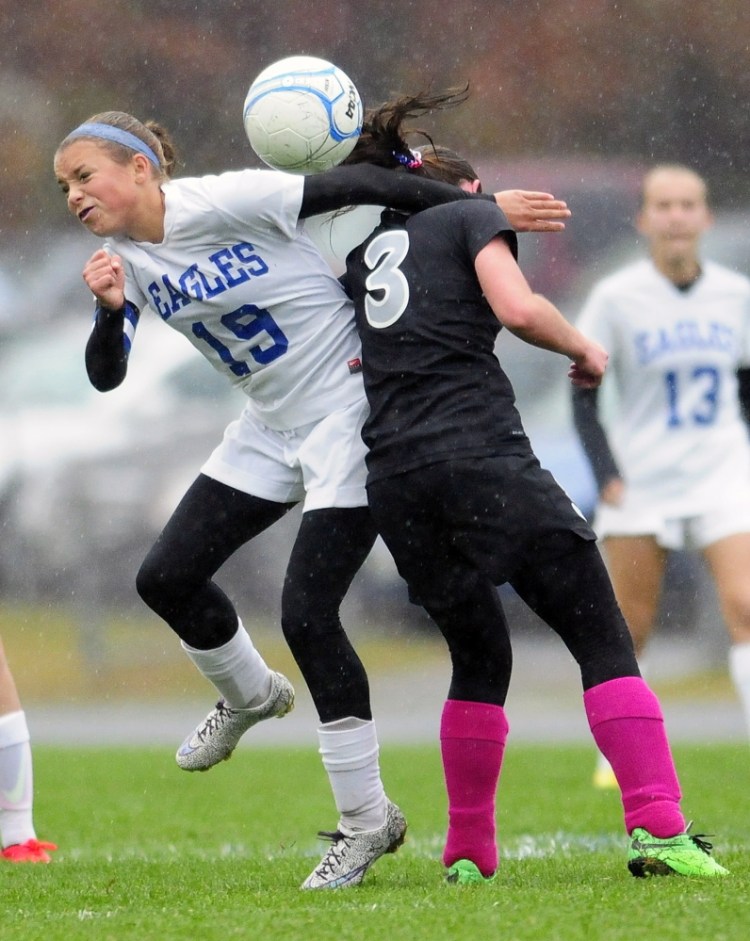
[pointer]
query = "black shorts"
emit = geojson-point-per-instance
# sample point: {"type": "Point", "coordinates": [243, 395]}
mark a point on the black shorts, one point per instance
{"type": "Point", "coordinates": [449, 523]}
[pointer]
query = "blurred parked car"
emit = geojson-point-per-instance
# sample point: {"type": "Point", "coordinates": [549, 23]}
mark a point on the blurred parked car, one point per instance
{"type": "Point", "coordinates": [87, 479]}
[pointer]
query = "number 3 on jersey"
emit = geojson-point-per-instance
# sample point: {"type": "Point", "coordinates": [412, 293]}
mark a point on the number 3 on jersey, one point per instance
{"type": "Point", "coordinates": [387, 288]}
{"type": "Point", "coordinates": [247, 323]}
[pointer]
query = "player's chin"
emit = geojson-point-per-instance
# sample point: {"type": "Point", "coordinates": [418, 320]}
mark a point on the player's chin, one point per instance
{"type": "Point", "coordinates": [104, 229]}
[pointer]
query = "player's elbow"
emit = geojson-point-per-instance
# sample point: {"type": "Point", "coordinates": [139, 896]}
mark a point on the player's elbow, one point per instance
{"type": "Point", "coordinates": [520, 316]}
{"type": "Point", "coordinates": [104, 383]}
{"type": "Point", "coordinates": [105, 376]}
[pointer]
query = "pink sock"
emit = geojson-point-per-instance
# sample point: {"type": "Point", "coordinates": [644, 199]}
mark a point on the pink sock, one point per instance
{"type": "Point", "coordinates": [628, 726]}
{"type": "Point", "coordinates": [472, 741]}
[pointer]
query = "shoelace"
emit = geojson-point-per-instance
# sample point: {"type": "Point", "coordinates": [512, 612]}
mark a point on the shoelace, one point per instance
{"type": "Point", "coordinates": [700, 839]}
{"type": "Point", "coordinates": [216, 719]}
{"type": "Point", "coordinates": [701, 842]}
{"type": "Point", "coordinates": [332, 856]}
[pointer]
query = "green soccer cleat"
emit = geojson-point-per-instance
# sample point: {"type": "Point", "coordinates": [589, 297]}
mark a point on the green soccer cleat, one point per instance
{"type": "Point", "coordinates": [683, 855]}
{"type": "Point", "coordinates": [465, 872]}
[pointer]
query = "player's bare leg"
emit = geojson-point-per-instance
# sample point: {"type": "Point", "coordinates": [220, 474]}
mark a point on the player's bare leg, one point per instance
{"type": "Point", "coordinates": [729, 563]}
{"type": "Point", "coordinates": [636, 566]}
{"type": "Point", "coordinates": [18, 842]}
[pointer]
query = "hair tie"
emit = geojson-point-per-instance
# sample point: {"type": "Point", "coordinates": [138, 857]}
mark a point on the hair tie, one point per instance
{"type": "Point", "coordinates": [118, 136]}
{"type": "Point", "coordinates": [412, 159]}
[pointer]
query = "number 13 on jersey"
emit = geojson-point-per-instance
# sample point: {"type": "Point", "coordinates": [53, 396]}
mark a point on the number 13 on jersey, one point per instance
{"type": "Point", "coordinates": [702, 384]}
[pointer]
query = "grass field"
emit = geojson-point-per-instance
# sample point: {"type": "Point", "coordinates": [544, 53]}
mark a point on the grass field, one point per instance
{"type": "Point", "coordinates": [149, 852]}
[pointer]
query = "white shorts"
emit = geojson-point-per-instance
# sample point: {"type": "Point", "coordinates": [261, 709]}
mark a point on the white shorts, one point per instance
{"type": "Point", "coordinates": [675, 533]}
{"type": "Point", "coordinates": [322, 464]}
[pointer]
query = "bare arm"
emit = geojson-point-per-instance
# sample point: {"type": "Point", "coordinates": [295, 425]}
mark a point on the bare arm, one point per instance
{"type": "Point", "coordinates": [532, 317]}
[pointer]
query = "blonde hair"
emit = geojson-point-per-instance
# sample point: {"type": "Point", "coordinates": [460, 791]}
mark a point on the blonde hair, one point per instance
{"type": "Point", "coordinates": [153, 136]}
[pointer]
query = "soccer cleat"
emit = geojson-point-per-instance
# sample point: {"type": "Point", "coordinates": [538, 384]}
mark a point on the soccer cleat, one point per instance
{"type": "Point", "coordinates": [465, 872]}
{"type": "Point", "coordinates": [32, 851]}
{"type": "Point", "coordinates": [352, 854]}
{"type": "Point", "coordinates": [683, 855]}
{"type": "Point", "coordinates": [217, 736]}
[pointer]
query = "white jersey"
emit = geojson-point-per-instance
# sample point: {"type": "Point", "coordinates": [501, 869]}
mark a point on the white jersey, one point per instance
{"type": "Point", "coordinates": [676, 432]}
{"type": "Point", "coordinates": [238, 276]}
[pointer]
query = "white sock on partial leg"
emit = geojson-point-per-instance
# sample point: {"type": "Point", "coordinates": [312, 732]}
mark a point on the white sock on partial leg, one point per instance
{"type": "Point", "coordinates": [16, 780]}
{"type": "Point", "coordinates": [236, 669]}
{"type": "Point", "coordinates": [739, 670]}
{"type": "Point", "coordinates": [350, 752]}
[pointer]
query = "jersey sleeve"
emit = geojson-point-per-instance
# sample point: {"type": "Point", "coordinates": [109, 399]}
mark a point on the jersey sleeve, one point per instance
{"type": "Point", "coordinates": [253, 198]}
{"type": "Point", "coordinates": [592, 435]}
{"type": "Point", "coordinates": [109, 345]}
{"type": "Point", "coordinates": [594, 320]}
{"type": "Point", "coordinates": [744, 357]}
{"type": "Point", "coordinates": [368, 185]}
{"type": "Point", "coordinates": [481, 222]}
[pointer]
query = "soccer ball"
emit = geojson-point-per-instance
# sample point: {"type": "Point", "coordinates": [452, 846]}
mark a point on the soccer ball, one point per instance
{"type": "Point", "coordinates": [303, 115]}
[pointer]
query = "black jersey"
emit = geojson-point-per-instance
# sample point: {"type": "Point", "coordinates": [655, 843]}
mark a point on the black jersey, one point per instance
{"type": "Point", "coordinates": [435, 386]}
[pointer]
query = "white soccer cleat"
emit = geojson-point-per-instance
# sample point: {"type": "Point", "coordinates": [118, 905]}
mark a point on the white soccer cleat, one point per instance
{"type": "Point", "coordinates": [217, 736]}
{"type": "Point", "coordinates": [352, 854]}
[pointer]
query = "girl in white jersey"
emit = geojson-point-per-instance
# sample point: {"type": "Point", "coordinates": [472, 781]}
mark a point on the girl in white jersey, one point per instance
{"type": "Point", "coordinates": [18, 841]}
{"type": "Point", "coordinates": [224, 260]}
{"type": "Point", "coordinates": [673, 468]}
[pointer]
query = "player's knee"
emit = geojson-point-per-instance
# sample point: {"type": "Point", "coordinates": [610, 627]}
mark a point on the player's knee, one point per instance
{"type": "Point", "coordinates": [156, 585]}
{"type": "Point", "coordinates": [304, 626]}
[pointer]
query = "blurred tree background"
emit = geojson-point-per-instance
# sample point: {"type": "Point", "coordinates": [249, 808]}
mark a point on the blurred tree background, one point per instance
{"type": "Point", "coordinates": [638, 79]}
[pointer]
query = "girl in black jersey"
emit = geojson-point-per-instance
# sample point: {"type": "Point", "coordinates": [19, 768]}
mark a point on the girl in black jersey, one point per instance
{"type": "Point", "coordinates": [464, 506]}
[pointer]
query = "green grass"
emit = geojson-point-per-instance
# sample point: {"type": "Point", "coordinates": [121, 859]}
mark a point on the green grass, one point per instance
{"type": "Point", "coordinates": [149, 852]}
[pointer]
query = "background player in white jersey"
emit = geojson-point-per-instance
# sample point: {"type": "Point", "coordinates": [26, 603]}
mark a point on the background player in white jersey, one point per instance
{"type": "Point", "coordinates": [673, 465]}
{"type": "Point", "coordinates": [18, 841]}
{"type": "Point", "coordinates": [463, 505]}
{"type": "Point", "coordinates": [224, 260]}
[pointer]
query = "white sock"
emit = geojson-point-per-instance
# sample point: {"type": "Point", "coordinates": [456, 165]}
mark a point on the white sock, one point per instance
{"type": "Point", "coordinates": [236, 669]}
{"type": "Point", "coordinates": [349, 748]}
{"type": "Point", "coordinates": [739, 670]}
{"type": "Point", "coordinates": [16, 780]}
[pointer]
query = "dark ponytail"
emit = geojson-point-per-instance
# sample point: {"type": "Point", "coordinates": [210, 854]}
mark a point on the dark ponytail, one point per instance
{"type": "Point", "coordinates": [384, 140]}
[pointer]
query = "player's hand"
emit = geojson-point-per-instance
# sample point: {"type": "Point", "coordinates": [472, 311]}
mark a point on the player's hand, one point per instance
{"type": "Point", "coordinates": [587, 370]}
{"type": "Point", "coordinates": [529, 211]}
{"type": "Point", "coordinates": [613, 492]}
{"type": "Point", "coordinates": [105, 278]}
